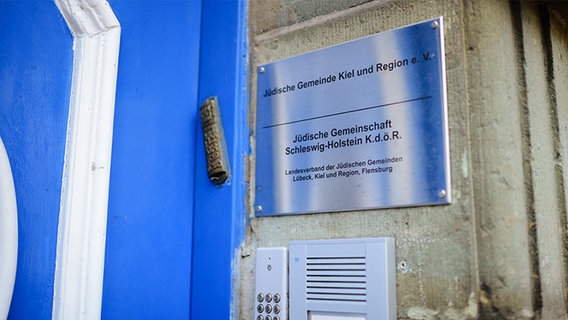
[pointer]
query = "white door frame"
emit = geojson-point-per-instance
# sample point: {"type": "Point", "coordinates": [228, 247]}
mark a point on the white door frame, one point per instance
{"type": "Point", "coordinates": [86, 174]}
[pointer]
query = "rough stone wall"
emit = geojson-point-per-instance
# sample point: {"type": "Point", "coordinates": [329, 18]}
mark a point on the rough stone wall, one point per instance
{"type": "Point", "coordinates": [499, 250]}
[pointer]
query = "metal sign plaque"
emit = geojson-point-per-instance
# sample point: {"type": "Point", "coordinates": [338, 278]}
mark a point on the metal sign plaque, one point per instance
{"type": "Point", "coordinates": [355, 126]}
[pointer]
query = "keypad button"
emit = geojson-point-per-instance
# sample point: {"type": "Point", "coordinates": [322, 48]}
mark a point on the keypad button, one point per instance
{"type": "Point", "coordinates": [268, 297]}
{"type": "Point", "coordinates": [276, 318]}
{"type": "Point", "coordinates": [260, 317]}
{"type": "Point", "coordinates": [277, 309]}
{"type": "Point", "coordinates": [268, 318]}
{"type": "Point", "coordinates": [276, 297]}
{"type": "Point", "coordinates": [260, 297]}
{"type": "Point", "coordinates": [268, 308]}
{"type": "Point", "coordinates": [260, 308]}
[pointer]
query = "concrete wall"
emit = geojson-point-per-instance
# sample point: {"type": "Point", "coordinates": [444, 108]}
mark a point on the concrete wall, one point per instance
{"type": "Point", "coordinates": [500, 249]}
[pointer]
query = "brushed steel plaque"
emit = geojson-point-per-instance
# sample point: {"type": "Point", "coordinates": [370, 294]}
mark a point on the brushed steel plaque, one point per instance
{"type": "Point", "coordinates": [355, 126]}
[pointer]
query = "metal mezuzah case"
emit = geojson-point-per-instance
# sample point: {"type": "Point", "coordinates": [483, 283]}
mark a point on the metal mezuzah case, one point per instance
{"type": "Point", "coordinates": [218, 168]}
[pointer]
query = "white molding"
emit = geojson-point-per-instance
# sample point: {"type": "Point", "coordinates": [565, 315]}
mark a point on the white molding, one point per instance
{"type": "Point", "coordinates": [87, 17]}
{"type": "Point", "coordinates": [8, 233]}
{"type": "Point", "coordinates": [85, 184]}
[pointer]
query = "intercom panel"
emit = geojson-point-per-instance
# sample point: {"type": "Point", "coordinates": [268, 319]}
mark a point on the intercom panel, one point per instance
{"type": "Point", "coordinates": [343, 279]}
{"type": "Point", "coordinates": [271, 284]}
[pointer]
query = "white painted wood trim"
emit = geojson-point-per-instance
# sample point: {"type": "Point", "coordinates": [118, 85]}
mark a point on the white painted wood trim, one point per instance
{"type": "Point", "coordinates": [86, 174]}
{"type": "Point", "coordinates": [8, 233]}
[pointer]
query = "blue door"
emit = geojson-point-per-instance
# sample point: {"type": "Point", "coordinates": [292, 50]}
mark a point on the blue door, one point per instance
{"type": "Point", "coordinates": [172, 236]}
{"type": "Point", "coordinates": [36, 62]}
{"type": "Point", "coordinates": [149, 227]}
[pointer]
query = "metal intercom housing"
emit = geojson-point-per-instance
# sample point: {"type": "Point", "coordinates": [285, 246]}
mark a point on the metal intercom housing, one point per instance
{"type": "Point", "coordinates": [340, 279]}
{"type": "Point", "coordinates": [343, 279]}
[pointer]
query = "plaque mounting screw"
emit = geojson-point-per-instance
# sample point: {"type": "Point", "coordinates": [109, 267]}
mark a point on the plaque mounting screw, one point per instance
{"type": "Point", "coordinates": [261, 69]}
{"type": "Point", "coordinates": [259, 208]}
{"type": "Point", "coordinates": [442, 194]}
{"type": "Point", "coordinates": [434, 24]}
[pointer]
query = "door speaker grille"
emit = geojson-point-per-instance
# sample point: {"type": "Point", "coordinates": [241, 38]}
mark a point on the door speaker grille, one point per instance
{"type": "Point", "coordinates": [336, 279]}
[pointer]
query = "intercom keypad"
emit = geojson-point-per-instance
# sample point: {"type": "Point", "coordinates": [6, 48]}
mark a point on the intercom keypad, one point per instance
{"type": "Point", "coordinates": [268, 307]}
{"type": "Point", "coordinates": [271, 293]}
